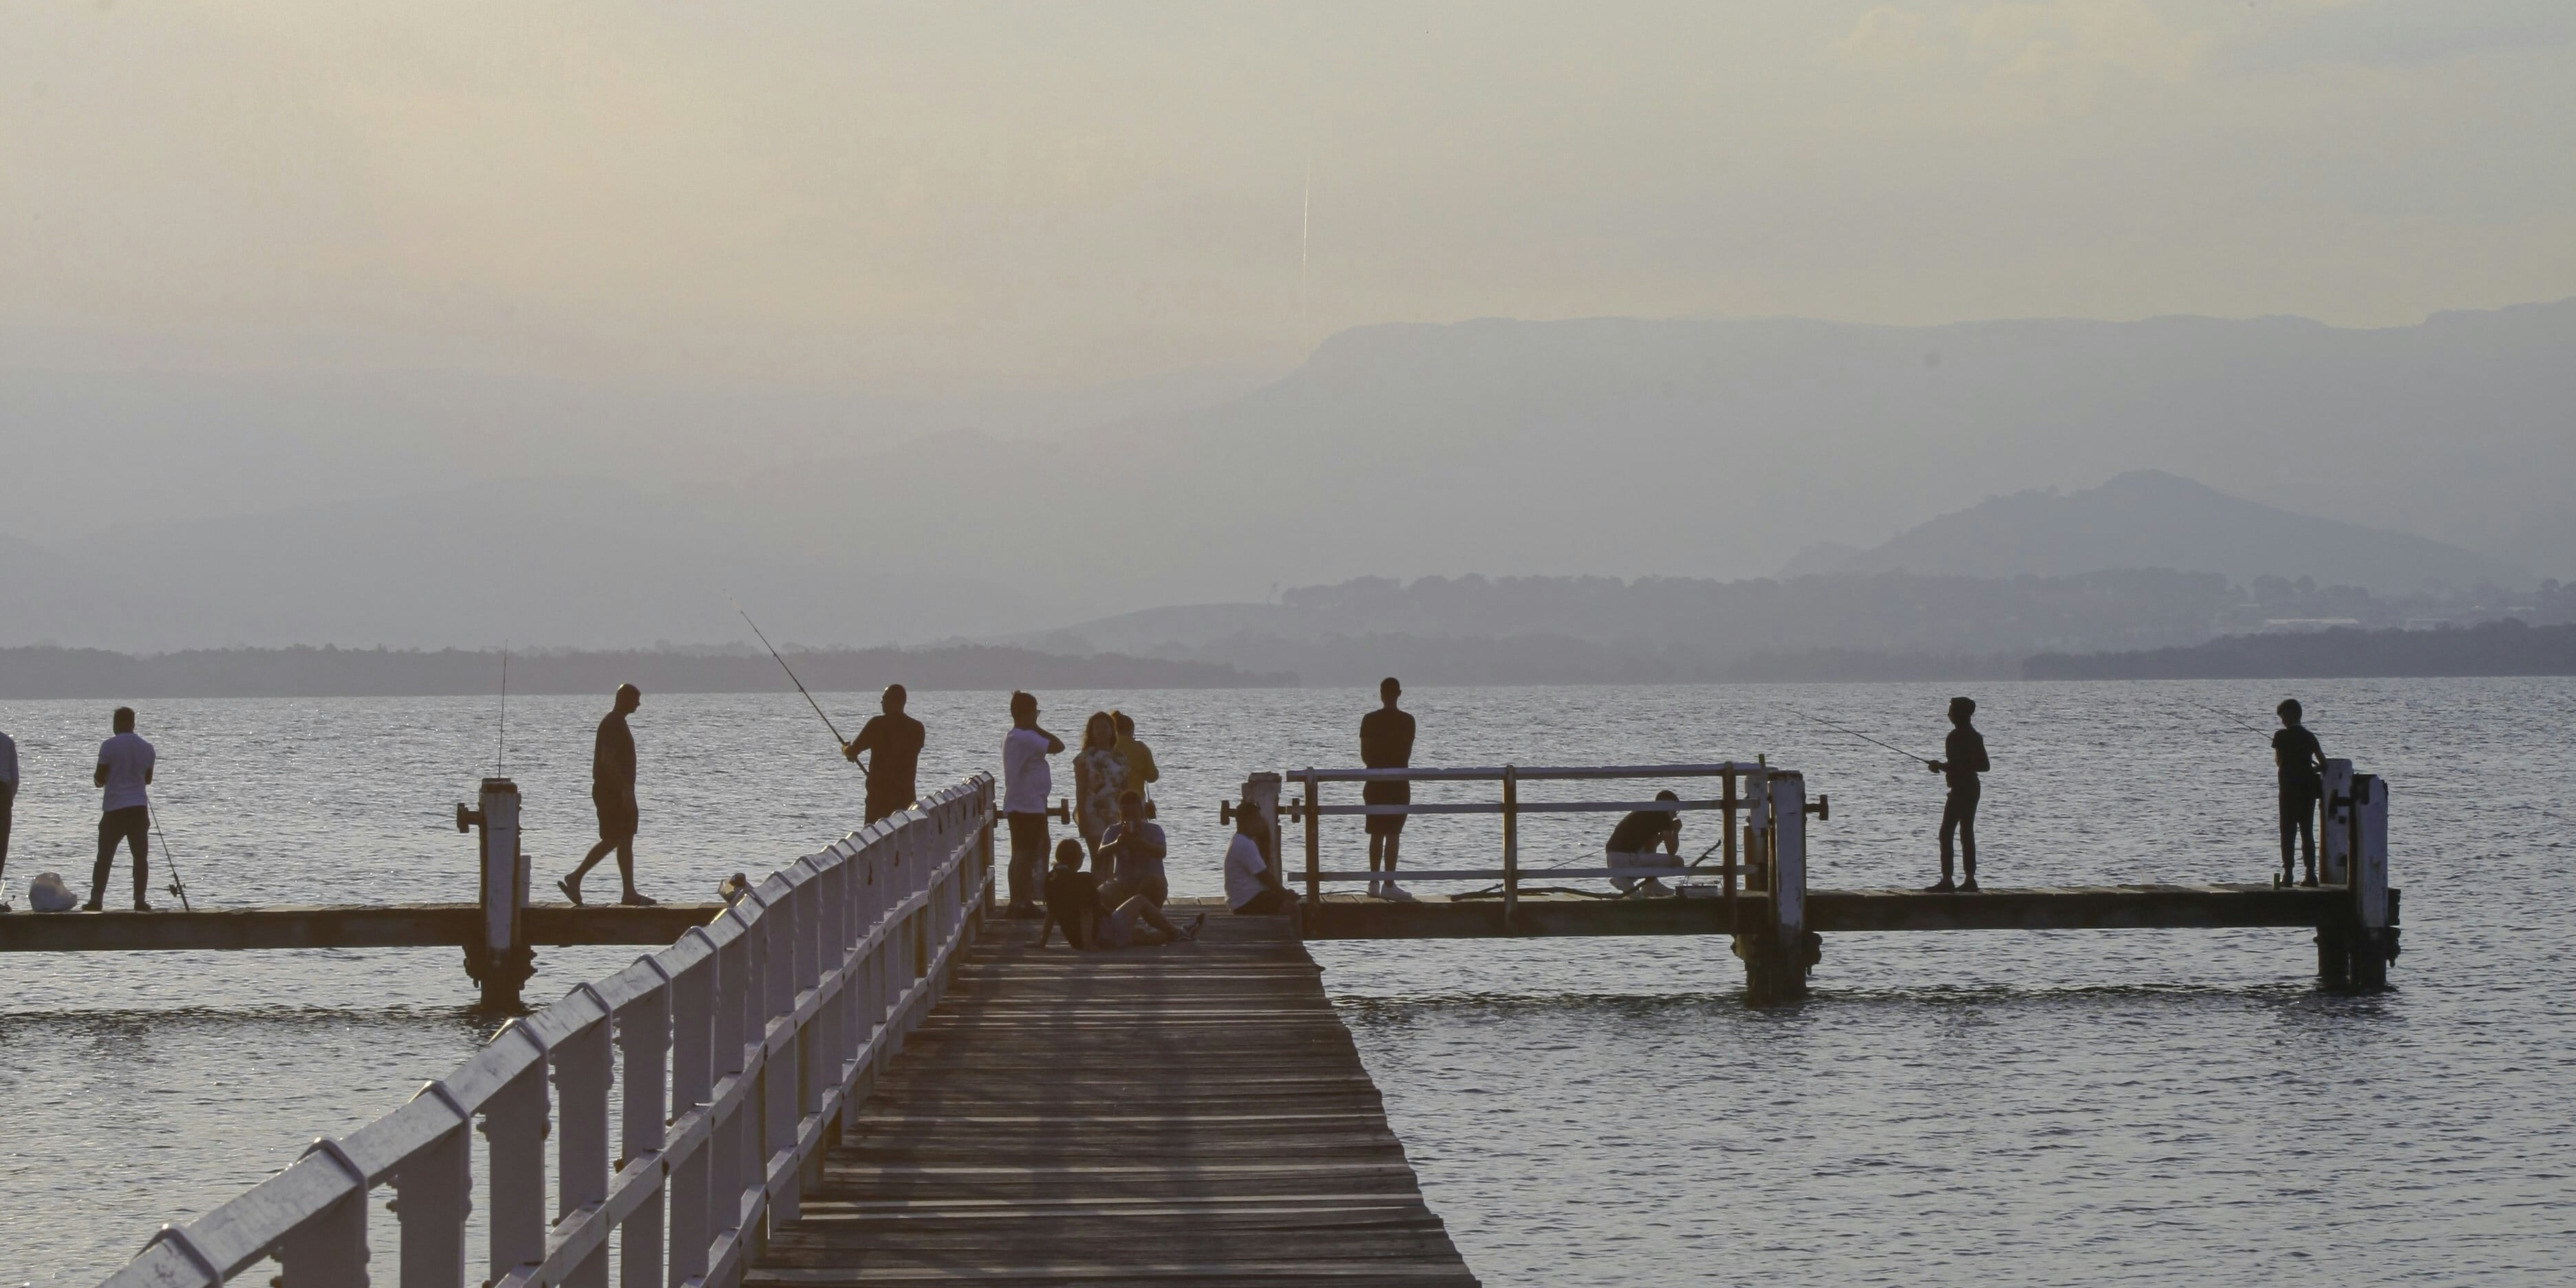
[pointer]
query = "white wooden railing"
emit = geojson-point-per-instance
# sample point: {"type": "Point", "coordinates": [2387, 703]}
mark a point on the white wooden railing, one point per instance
{"type": "Point", "coordinates": [736, 1050]}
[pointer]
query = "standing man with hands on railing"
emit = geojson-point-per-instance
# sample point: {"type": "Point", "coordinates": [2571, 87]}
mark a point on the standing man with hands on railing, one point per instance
{"type": "Point", "coordinates": [1027, 781]}
{"type": "Point", "coordinates": [1386, 742]}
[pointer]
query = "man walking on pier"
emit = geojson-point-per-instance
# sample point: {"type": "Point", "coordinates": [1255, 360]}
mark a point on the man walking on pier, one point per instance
{"type": "Point", "coordinates": [124, 771]}
{"type": "Point", "coordinates": [612, 793]}
{"type": "Point", "coordinates": [894, 742]}
{"type": "Point", "coordinates": [2302, 763]}
{"type": "Point", "coordinates": [1027, 781]}
{"type": "Point", "coordinates": [1963, 758]}
{"type": "Point", "coordinates": [1386, 742]}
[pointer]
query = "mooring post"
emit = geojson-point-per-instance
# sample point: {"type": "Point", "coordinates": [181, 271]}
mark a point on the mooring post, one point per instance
{"type": "Point", "coordinates": [2334, 832]}
{"type": "Point", "coordinates": [1753, 947]}
{"type": "Point", "coordinates": [2374, 938]}
{"type": "Point", "coordinates": [1726, 821]}
{"type": "Point", "coordinates": [1789, 939]}
{"type": "Point", "coordinates": [502, 963]}
{"type": "Point", "coordinates": [1511, 850]}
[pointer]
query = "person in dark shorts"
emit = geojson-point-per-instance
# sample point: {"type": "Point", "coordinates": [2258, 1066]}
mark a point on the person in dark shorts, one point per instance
{"type": "Point", "coordinates": [612, 793]}
{"type": "Point", "coordinates": [2302, 763]}
{"type": "Point", "coordinates": [1027, 781]}
{"type": "Point", "coordinates": [1386, 742]}
{"type": "Point", "coordinates": [123, 773]}
{"type": "Point", "coordinates": [1074, 900]}
{"type": "Point", "coordinates": [893, 741]}
{"type": "Point", "coordinates": [1633, 843]}
{"type": "Point", "coordinates": [1963, 758]}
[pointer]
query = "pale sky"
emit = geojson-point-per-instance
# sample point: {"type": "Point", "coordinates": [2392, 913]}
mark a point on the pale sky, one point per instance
{"type": "Point", "coordinates": [926, 199]}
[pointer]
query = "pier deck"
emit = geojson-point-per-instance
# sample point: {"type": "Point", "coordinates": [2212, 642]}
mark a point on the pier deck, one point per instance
{"type": "Point", "coordinates": [1188, 1114]}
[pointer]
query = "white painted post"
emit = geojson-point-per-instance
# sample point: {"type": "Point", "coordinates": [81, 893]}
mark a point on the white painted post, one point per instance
{"type": "Point", "coordinates": [433, 1192]}
{"type": "Point", "coordinates": [1789, 878]}
{"type": "Point", "coordinates": [583, 1069]}
{"type": "Point", "coordinates": [643, 1048]}
{"type": "Point", "coordinates": [514, 1125]}
{"type": "Point", "coordinates": [725, 1146]}
{"type": "Point", "coordinates": [692, 1081]}
{"type": "Point", "coordinates": [330, 1250]}
{"type": "Point", "coordinates": [2334, 837]}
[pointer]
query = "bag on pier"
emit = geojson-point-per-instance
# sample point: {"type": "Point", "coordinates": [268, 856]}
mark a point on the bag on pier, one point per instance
{"type": "Point", "coordinates": [47, 893]}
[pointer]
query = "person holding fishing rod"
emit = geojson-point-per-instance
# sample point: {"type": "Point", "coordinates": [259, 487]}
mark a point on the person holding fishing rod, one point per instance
{"type": "Point", "coordinates": [1963, 758]}
{"type": "Point", "coordinates": [123, 773]}
{"type": "Point", "coordinates": [893, 741]}
{"type": "Point", "coordinates": [2302, 763]}
{"type": "Point", "coordinates": [612, 793]}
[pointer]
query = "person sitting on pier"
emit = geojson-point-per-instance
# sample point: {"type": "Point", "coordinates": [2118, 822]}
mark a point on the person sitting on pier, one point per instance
{"type": "Point", "coordinates": [1135, 848]}
{"type": "Point", "coordinates": [1964, 757]}
{"type": "Point", "coordinates": [1632, 845]}
{"type": "Point", "coordinates": [2302, 764]}
{"type": "Point", "coordinates": [1386, 742]}
{"type": "Point", "coordinates": [612, 793]}
{"type": "Point", "coordinates": [893, 741]}
{"type": "Point", "coordinates": [1027, 780]}
{"type": "Point", "coordinates": [1074, 901]}
{"type": "Point", "coordinates": [1248, 888]}
{"type": "Point", "coordinates": [124, 809]}
{"type": "Point", "coordinates": [1098, 777]}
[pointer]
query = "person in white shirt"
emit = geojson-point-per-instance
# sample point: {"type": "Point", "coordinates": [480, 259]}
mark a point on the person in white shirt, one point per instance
{"type": "Point", "coordinates": [1027, 781]}
{"type": "Point", "coordinates": [125, 810]}
{"type": "Point", "coordinates": [1248, 889]}
{"type": "Point", "coordinates": [8, 802]}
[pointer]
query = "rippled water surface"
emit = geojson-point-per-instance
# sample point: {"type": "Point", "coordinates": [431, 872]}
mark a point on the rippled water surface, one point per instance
{"type": "Point", "coordinates": [1989, 1108]}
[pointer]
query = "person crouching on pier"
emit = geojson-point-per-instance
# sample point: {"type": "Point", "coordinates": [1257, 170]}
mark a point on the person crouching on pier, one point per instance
{"type": "Point", "coordinates": [1632, 845]}
{"type": "Point", "coordinates": [1963, 758]}
{"type": "Point", "coordinates": [124, 809]}
{"type": "Point", "coordinates": [1074, 901]}
{"type": "Point", "coordinates": [2302, 763]}
{"type": "Point", "coordinates": [1135, 848]}
{"type": "Point", "coordinates": [1248, 888]}
{"type": "Point", "coordinates": [1027, 781]}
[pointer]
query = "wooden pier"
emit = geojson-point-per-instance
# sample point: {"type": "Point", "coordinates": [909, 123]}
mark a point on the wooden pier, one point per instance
{"type": "Point", "coordinates": [393, 925]}
{"type": "Point", "coordinates": [1189, 1114]}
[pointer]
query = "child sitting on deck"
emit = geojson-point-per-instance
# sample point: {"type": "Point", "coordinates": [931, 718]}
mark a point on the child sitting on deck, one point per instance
{"type": "Point", "coordinates": [1073, 902]}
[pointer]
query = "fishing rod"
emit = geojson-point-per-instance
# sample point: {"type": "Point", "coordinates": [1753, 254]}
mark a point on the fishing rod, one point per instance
{"type": "Point", "coordinates": [1864, 737]}
{"type": "Point", "coordinates": [170, 856]}
{"type": "Point", "coordinates": [2249, 725]}
{"type": "Point", "coordinates": [837, 739]}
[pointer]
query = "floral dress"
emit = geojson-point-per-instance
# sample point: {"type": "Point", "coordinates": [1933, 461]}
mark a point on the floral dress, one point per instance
{"type": "Point", "coordinates": [1098, 777]}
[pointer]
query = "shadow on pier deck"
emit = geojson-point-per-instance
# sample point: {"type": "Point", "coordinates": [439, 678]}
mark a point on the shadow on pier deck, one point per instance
{"type": "Point", "coordinates": [1190, 1114]}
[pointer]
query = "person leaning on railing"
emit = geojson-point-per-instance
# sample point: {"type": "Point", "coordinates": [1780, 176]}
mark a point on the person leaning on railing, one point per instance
{"type": "Point", "coordinates": [1247, 888]}
{"type": "Point", "coordinates": [1632, 845]}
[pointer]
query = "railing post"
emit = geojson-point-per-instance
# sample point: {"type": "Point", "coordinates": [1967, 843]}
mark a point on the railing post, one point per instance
{"type": "Point", "coordinates": [583, 1070]}
{"type": "Point", "coordinates": [1789, 882]}
{"type": "Point", "coordinates": [2334, 831]}
{"type": "Point", "coordinates": [329, 1251]}
{"type": "Point", "coordinates": [692, 1081]}
{"type": "Point", "coordinates": [514, 1125]}
{"type": "Point", "coordinates": [433, 1193]}
{"type": "Point", "coordinates": [644, 1044]}
{"type": "Point", "coordinates": [2375, 939]}
{"type": "Point", "coordinates": [1726, 820]}
{"type": "Point", "coordinates": [1511, 849]}
{"type": "Point", "coordinates": [1314, 842]}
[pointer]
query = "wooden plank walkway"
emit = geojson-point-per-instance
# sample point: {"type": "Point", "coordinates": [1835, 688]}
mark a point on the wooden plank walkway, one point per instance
{"type": "Point", "coordinates": [1181, 1115]}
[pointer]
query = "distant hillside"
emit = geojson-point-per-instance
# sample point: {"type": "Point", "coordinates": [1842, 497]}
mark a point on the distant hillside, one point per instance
{"type": "Point", "coordinates": [2492, 648]}
{"type": "Point", "coordinates": [331, 672]}
{"type": "Point", "coordinates": [2151, 519]}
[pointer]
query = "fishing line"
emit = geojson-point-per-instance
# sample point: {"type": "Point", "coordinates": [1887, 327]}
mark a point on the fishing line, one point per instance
{"type": "Point", "coordinates": [170, 856]}
{"type": "Point", "coordinates": [837, 740]}
{"type": "Point", "coordinates": [2248, 725]}
{"type": "Point", "coordinates": [1864, 737]}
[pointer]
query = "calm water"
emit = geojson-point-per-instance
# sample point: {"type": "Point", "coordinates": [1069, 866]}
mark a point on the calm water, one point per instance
{"type": "Point", "coordinates": [2125, 1107]}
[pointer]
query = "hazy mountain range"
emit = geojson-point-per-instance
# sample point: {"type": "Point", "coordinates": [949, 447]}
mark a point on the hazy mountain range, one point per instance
{"type": "Point", "coordinates": [1623, 448]}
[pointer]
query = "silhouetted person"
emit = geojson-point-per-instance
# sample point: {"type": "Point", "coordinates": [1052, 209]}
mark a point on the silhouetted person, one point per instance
{"type": "Point", "coordinates": [1632, 845]}
{"type": "Point", "coordinates": [1137, 759]}
{"type": "Point", "coordinates": [1135, 848]}
{"type": "Point", "coordinates": [1098, 776]}
{"type": "Point", "coordinates": [893, 742]}
{"type": "Point", "coordinates": [124, 809]}
{"type": "Point", "coordinates": [1386, 742]}
{"type": "Point", "coordinates": [2302, 763]}
{"type": "Point", "coordinates": [1963, 758]}
{"type": "Point", "coordinates": [8, 804]}
{"type": "Point", "coordinates": [1097, 916]}
{"type": "Point", "coordinates": [612, 793]}
{"type": "Point", "coordinates": [1248, 887]}
{"type": "Point", "coordinates": [1027, 780]}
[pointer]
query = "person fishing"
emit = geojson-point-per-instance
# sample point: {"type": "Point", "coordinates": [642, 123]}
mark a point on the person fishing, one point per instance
{"type": "Point", "coordinates": [1633, 842]}
{"type": "Point", "coordinates": [1386, 742]}
{"type": "Point", "coordinates": [1963, 758]}
{"type": "Point", "coordinates": [612, 794]}
{"type": "Point", "coordinates": [2302, 763]}
{"type": "Point", "coordinates": [123, 774]}
{"type": "Point", "coordinates": [893, 742]}
{"type": "Point", "coordinates": [1027, 780]}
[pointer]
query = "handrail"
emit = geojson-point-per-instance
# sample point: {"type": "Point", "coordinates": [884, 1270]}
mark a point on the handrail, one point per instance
{"type": "Point", "coordinates": [737, 1049]}
{"type": "Point", "coordinates": [1495, 773]}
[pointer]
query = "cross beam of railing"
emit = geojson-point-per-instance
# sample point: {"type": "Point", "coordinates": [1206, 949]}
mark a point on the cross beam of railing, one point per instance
{"type": "Point", "coordinates": [738, 1049]}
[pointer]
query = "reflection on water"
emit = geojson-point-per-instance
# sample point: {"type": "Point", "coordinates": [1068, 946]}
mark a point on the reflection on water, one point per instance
{"type": "Point", "coordinates": [1987, 1107]}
